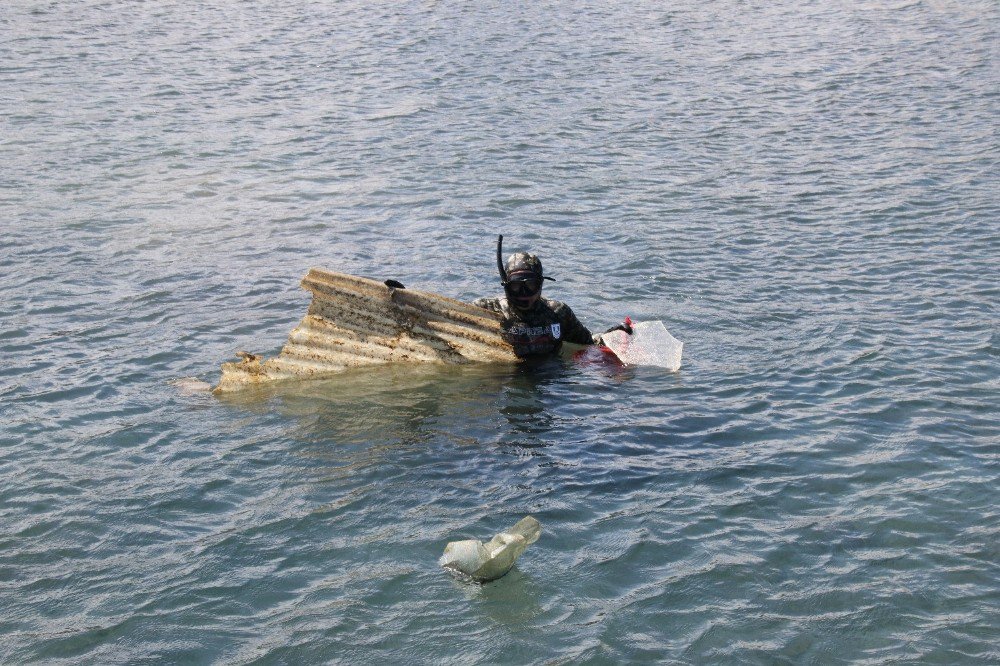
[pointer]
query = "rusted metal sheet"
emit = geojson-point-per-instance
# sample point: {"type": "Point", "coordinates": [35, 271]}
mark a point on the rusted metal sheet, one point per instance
{"type": "Point", "coordinates": [353, 321]}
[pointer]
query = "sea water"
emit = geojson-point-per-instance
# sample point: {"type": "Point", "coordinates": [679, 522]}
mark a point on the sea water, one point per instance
{"type": "Point", "coordinates": [804, 192]}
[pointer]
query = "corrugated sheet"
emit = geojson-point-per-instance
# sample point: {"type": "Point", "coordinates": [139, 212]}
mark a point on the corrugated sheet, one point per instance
{"type": "Point", "coordinates": [354, 321]}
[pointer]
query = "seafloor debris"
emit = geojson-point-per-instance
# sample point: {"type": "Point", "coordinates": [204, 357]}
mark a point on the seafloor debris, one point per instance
{"type": "Point", "coordinates": [494, 559]}
{"type": "Point", "coordinates": [353, 321]}
{"type": "Point", "coordinates": [190, 385]}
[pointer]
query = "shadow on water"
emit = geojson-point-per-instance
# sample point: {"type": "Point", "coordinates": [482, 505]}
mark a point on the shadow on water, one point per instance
{"type": "Point", "coordinates": [396, 406]}
{"type": "Point", "coordinates": [391, 400]}
{"type": "Point", "coordinates": [523, 403]}
{"type": "Point", "coordinates": [537, 395]}
{"type": "Point", "coordinates": [402, 402]}
{"type": "Point", "coordinates": [510, 601]}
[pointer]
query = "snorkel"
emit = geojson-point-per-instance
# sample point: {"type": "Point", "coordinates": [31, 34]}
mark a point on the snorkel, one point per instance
{"type": "Point", "coordinates": [503, 273]}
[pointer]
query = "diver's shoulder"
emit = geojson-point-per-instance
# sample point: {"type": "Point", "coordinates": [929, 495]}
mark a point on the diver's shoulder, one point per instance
{"type": "Point", "coordinates": [556, 306]}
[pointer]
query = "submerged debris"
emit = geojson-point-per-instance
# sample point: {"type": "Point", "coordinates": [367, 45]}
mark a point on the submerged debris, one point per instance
{"type": "Point", "coordinates": [191, 385]}
{"type": "Point", "coordinates": [353, 321]}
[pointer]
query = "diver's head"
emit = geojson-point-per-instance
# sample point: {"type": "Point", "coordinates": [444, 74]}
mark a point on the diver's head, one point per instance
{"type": "Point", "coordinates": [524, 280]}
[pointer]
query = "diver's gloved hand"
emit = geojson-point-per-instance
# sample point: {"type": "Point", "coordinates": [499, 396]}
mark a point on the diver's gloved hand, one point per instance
{"type": "Point", "coordinates": [624, 326]}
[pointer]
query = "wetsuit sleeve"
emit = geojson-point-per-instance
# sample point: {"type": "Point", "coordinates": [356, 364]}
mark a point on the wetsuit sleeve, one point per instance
{"type": "Point", "coordinates": [572, 330]}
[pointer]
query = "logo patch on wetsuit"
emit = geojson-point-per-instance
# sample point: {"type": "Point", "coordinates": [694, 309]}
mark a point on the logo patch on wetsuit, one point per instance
{"type": "Point", "coordinates": [556, 331]}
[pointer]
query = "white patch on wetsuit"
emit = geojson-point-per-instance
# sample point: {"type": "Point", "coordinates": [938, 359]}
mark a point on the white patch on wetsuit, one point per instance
{"type": "Point", "coordinates": [530, 331]}
{"type": "Point", "coordinates": [556, 331]}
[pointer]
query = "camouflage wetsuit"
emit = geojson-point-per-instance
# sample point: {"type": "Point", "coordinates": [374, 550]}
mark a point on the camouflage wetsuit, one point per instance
{"type": "Point", "coordinates": [541, 329]}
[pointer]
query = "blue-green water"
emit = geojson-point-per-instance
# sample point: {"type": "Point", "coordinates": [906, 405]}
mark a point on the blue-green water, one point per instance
{"type": "Point", "coordinates": [805, 192]}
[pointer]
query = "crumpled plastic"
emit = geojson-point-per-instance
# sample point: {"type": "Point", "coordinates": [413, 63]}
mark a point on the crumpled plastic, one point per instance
{"type": "Point", "coordinates": [649, 344]}
{"type": "Point", "coordinates": [486, 562]}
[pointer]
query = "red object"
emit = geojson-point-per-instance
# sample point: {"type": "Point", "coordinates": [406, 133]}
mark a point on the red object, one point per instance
{"type": "Point", "coordinates": [596, 355]}
{"type": "Point", "coordinates": [628, 321]}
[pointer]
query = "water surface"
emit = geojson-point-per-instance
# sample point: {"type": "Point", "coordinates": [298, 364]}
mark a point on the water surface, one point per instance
{"type": "Point", "coordinates": [806, 193]}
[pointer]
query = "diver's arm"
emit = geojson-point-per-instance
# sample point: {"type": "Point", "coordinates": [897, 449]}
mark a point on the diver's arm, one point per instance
{"type": "Point", "coordinates": [572, 330]}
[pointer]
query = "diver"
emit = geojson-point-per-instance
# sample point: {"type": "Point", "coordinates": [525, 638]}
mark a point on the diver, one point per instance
{"type": "Point", "coordinates": [534, 325]}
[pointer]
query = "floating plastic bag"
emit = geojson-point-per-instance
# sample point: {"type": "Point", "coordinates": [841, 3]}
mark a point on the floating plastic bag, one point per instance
{"type": "Point", "coordinates": [494, 559]}
{"type": "Point", "coordinates": [649, 344]}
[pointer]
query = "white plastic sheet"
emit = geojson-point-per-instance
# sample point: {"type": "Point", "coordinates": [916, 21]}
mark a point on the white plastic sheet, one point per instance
{"type": "Point", "coordinates": [649, 344]}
